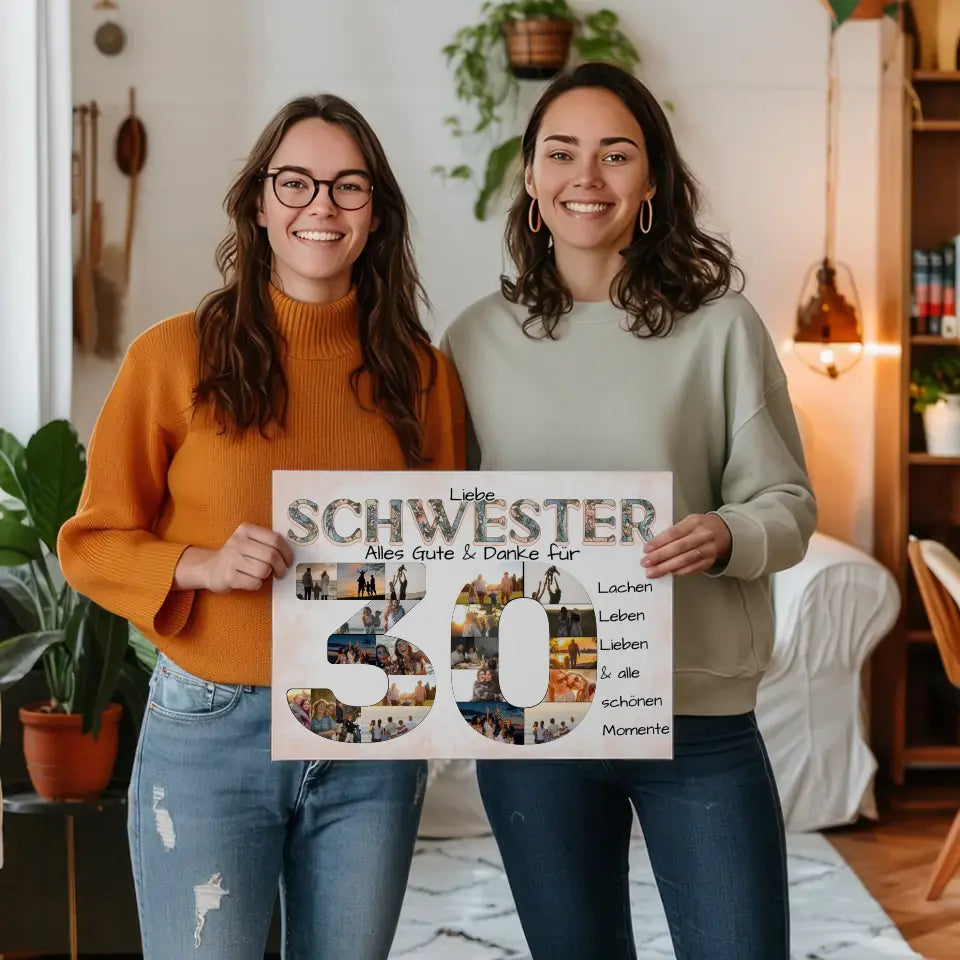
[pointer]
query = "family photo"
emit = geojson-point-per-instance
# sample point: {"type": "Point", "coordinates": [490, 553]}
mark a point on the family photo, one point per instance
{"type": "Point", "coordinates": [493, 586]}
{"type": "Point", "coordinates": [316, 581]}
{"type": "Point", "coordinates": [405, 581]}
{"type": "Point", "coordinates": [361, 580]}
{"type": "Point", "coordinates": [547, 584]}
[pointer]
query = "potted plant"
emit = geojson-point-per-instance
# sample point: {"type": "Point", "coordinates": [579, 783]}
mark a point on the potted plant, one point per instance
{"type": "Point", "coordinates": [525, 39]}
{"type": "Point", "coordinates": [88, 654]}
{"type": "Point", "coordinates": [936, 396]}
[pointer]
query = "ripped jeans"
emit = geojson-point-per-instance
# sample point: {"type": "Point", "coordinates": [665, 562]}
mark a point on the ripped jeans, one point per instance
{"type": "Point", "coordinates": [215, 826]}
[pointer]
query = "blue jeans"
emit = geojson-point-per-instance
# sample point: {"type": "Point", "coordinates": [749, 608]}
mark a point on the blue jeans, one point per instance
{"type": "Point", "coordinates": [215, 826]}
{"type": "Point", "coordinates": [713, 827]}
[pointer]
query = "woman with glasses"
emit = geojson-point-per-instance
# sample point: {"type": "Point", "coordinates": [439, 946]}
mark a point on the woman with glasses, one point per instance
{"type": "Point", "coordinates": [310, 356]}
{"type": "Point", "coordinates": [619, 291]}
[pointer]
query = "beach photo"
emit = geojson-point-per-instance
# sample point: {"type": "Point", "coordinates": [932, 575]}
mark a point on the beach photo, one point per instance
{"type": "Point", "coordinates": [358, 581]}
{"type": "Point", "coordinates": [494, 584]}
{"type": "Point", "coordinates": [344, 648]}
{"type": "Point", "coordinates": [570, 621]}
{"type": "Point", "coordinates": [550, 721]}
{"type": "Point", "coordinates": [568, 653]}
{"type": "Point", "coordinates": [316, 581]}
{"type": "Point", "coordinates": [403, 691]}
{"type": "Point", "coordinates": [501, 722]}
{"type": "Point", "coordinates": [379, 723]}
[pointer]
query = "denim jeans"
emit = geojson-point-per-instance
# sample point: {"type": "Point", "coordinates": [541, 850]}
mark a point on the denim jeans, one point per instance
{"type": "Point", "coordinates": [713, 827]}
{"type": "Point", "coordinates": [215, 827]}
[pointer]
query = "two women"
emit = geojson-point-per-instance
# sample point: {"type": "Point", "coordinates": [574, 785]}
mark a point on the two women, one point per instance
{"type": "Point", "coordinates": [312, 356]}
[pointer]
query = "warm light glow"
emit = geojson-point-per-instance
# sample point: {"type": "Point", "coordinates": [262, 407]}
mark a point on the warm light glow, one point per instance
{"type": "Point", "coordinates": [830, 359]}
{"type": "Point", "coordinates": [871, 348]}
{"type": "Point", "coordinates": [883, 349]}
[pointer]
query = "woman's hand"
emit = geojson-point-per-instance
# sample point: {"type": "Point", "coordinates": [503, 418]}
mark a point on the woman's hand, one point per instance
{"type": "Point", "coordinates": [693, 545]}
{"type": "Point", "coordinates": [249, 557]}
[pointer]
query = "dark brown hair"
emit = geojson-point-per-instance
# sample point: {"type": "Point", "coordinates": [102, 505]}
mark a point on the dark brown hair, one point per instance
{"type": "Point", "coordinates": [241, 371]}
{"type": "Point", "coordinates": [670, 271]}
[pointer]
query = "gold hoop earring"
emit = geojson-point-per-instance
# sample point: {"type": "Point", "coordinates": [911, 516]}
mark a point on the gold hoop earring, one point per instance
{"type": "Point", "coordinates": [534, 229]}
{"type": "Point", "coordinates": [647, 206]}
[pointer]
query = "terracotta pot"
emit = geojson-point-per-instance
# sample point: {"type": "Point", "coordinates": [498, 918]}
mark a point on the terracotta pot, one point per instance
{"type": "Point", "coordinates": [538, 48]}
{"type": "Point", "coordinates": [63, 763]}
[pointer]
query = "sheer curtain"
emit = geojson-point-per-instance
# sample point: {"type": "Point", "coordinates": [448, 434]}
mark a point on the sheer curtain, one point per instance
{"type": "Point", "coordinates": [36, 258]}
{"type": "Point", "coordinates": [36, 264]}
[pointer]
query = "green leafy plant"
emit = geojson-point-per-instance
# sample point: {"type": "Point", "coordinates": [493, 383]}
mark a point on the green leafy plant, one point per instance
{"type": "Point", "coordinates": [939, 379]}
{"type": "Point", "coordinates": [843, 9]}
{"type": "Point", "coordinates": [89, 654]}
{"type": "Point", "coordinates": [484, 83]}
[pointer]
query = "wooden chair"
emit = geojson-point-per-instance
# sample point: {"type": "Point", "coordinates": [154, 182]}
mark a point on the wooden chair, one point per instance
{"type": "Point", "coordinates": [937, 572]}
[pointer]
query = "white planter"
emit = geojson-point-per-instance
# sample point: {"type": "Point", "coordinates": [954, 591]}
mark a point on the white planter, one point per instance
{"type": "Point", "coordinates": [941, 424]}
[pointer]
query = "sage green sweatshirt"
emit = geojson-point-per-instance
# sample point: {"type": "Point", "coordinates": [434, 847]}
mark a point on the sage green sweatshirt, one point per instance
{"type": "Point", "coordinates": [708, 402]}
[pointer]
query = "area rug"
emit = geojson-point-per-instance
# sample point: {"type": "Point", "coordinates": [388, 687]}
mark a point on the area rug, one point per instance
{"type": "Point", "coordinates": [458, 907]}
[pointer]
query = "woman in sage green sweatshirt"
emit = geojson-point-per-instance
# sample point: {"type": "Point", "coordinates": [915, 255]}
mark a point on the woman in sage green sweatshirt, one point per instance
{"type": "Point", "coordinates": [621, 344]}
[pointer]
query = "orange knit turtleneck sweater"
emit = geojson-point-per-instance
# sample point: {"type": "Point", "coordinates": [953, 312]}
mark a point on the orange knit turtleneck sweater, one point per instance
{"type": "Point", "coordinates": [160, 479]}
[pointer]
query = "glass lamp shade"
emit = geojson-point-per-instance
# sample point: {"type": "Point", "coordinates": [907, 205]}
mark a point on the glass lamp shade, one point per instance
{"type": "Point", "coordinates": [828, 338]}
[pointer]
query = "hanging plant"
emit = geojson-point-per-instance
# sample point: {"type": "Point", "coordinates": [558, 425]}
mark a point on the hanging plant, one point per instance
{"type": "Point", "coordinates": [843, 10]}
{"type": "Point", "coordinates": [527, 39]}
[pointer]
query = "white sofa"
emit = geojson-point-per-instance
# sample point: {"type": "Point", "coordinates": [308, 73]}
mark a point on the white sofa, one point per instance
{"type": "Point", "coordinates": [831, 610]}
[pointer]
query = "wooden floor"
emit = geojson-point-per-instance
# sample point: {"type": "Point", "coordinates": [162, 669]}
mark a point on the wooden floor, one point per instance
{"type": "Point", "coordinates": [893, 859]}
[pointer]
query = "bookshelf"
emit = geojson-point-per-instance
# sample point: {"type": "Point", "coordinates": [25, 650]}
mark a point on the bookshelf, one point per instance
{"type": "Point", "coordinates": [915, 720]}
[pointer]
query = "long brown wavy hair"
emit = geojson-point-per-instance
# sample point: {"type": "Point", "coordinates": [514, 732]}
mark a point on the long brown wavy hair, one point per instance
{"type": "Point", "coordinates": [241, 371]}
{"type": "Point", "coordinates": [670, 271]}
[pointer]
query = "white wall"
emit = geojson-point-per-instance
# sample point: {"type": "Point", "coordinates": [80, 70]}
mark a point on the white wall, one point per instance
{"type": "Point", "coordinates": [747, 78]}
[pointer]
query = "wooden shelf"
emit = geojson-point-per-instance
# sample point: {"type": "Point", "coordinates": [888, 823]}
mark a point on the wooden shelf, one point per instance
{"type": "Point", "coordinates": [913, 491]}
{"type": "Point", "coordinates": [926, 460]}
{"type": "Point", "coordinates": [936, 126]}
{"type": "Point", "coordinates": [936, 76]}
{"type": "Point", "coordinates": [940, 754]}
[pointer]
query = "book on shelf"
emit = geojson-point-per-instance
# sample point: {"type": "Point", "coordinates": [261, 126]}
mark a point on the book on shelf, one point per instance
{"type": "Point", "coordinates": [933, 290]}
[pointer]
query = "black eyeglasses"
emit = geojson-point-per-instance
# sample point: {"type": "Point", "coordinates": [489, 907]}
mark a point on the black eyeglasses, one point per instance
{"type": "Point", "coordinates": [294, 187]}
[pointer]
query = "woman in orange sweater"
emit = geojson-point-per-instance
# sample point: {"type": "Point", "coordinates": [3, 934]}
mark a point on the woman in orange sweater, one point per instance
{"type": "Point", "coordinates": [311, 356]}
